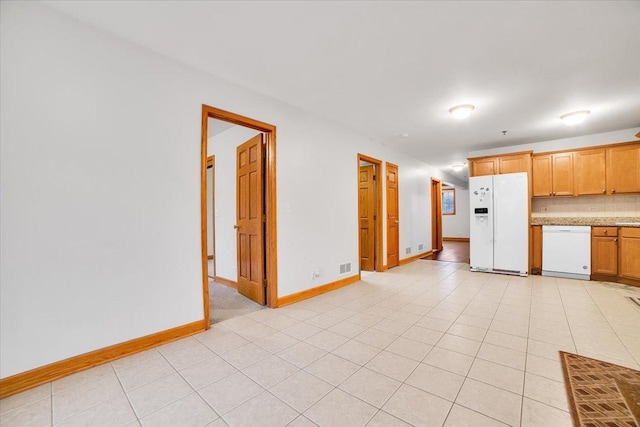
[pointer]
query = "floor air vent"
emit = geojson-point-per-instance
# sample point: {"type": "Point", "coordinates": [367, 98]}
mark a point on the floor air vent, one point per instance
{"type": "Point", "coordinates": [345, 268]}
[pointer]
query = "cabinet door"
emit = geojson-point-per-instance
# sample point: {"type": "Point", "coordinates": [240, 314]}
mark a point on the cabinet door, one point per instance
{"type": "Point", "coordinates": [590, 172]}
{"type": "Point", "coordinates": [513, 164]}
{"type": "Point", "coordinates": [541, 175]}
{"type": "Point", "coordinates": [562, 174]}
{"type": "Point", "coordinates": [536, 249]}
{"type": "Point", "coordinates": [604, 255]}
{"type": "Point", "coordinates": [485, 167]}
{"type": "Point", "coordinates": [630, 253]}
{"type": "Point", "coordinates": [623, 169]}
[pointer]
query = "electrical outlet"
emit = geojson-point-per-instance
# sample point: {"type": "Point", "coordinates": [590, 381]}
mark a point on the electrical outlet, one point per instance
{"type": "Point", "coordinates": [543, 209]}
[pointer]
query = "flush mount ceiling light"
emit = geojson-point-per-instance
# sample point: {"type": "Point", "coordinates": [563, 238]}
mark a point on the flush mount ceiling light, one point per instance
{"type": "Point", "coordinates": [461, 111]}
{"type": "Point", "coordinates": [457, 167]}
{"type": "Point", "coordinates": [575, 117]}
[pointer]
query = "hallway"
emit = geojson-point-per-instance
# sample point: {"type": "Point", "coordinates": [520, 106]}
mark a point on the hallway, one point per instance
{"type": "Point", "coordinates": [452, 251]}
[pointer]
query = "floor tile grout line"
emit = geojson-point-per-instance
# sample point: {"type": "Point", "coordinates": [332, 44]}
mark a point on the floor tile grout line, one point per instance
{"type": "Point", "coordinates": [526, 359]}
{"type": "Point", "coordinates": [126, 395]}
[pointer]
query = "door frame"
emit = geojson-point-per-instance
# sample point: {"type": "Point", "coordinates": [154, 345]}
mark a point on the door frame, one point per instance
{"type": "Point", "coordinates": [271, 266]}
{"type": "Point", "coordinates": [378, 262]}
{"type": "Point", "coordinates": [436, 215]}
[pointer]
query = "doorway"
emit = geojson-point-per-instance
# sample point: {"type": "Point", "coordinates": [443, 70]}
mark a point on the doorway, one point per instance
{"type": "Point", "coordinates": [436, 214]}
{"type": "Point", "coordinates": [369, 213]}
{"type": "Point", "coordinates": [259, 226]}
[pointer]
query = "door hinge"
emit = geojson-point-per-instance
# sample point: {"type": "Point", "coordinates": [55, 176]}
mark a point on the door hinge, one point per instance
{"type": "Point", "coordinates": [264, 283]}
{"type": "Point", "coordinates": [264, 218]}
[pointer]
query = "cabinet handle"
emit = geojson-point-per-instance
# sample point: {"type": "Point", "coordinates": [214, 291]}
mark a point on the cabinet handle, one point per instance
{"type": "Point", "coordinates": [604, 191]}
{"type": "Point", "coordinates": [606, 231]}
{"type": "Point", "coordinates": [615, 240]}
{"type": "Point", "coordinates": [554, 193]}
{"type": "Point", "coordinates": [613, 191]}
{"type": "Point", "coordinates": [550, 193]}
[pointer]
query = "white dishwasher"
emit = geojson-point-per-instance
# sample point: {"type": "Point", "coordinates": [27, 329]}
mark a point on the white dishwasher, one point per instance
{"type": "Point", "coordinates": [566, 251]}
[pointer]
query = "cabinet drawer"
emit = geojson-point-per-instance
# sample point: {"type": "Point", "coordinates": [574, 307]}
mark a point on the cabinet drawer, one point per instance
{"type": "Point", "coordinates": [630, 232]}
{"type": "Point", "coordinates": [604, 231]}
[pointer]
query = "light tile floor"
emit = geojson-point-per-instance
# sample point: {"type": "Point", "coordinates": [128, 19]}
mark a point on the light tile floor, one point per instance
{"type": "Point", "coordinates": [428, 344]}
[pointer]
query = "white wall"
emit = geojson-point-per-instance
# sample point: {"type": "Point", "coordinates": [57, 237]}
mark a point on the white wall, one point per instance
{"type": "Point", "coordinates": [458, 225]}
{"type": "Point", "coordinates": [100, 198]}
{"type": "Point", "coordinates": [595, 139]}
{"type": "Point", "coordinates": [223, 146]}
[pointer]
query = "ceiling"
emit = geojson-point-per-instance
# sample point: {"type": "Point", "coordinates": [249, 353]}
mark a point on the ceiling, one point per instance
{"type": "Point", "coordinates": [390, 68]}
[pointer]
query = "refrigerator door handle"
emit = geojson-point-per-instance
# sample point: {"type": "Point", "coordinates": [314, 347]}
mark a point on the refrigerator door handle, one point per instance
{"type": "Point", "coordinates": [495, 219]}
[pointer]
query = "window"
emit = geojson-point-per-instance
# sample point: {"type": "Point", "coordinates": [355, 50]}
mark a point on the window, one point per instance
{"type": "Point", "coordinates": [448, 201]}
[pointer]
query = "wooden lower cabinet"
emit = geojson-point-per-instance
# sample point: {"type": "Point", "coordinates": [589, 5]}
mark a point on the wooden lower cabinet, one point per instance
{"type": "Point", "coordinates": [630, 253]}
{"type": "Point", "coordinates": [604, 251]}
{"type": "Point", "coordinates": [536, 249]}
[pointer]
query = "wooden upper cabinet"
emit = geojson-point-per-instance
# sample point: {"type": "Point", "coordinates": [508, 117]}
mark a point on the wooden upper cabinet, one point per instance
{"type": "Point", "coordinates": [513, 164]}
{"type": "Point", "coordinates": [541, 175]}
{"type": "Point", "coordinates": [590, 171]}
{"type": "Point", "coordinates": [482, 167]}
{"type": "Point", "coordinates": [510, 163]}
{"type": "Point", "coordinates": [552, 175]}
{"type": "Point", "coordinates": [562, 174]}
{"type": "Point", "coordinates": [623, 169]}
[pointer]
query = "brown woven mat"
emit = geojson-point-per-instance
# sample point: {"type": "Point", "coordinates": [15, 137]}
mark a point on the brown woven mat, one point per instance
{"type": "Point", "coordinates": [601, 394]}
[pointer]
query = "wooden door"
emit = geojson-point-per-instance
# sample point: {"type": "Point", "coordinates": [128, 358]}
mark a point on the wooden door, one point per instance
{"type": "Point", "coordinates": [623, 169]}
{"type": "Point", "coordinates": [541, 175]}
{"type": "Point", "coordinates": [211, 214]}
{"type": "Point", "coordinates": [562, 175]}
{"type": "Point", "coordinates": [366, 215]}
{"type": "Point", "coordinates": [590, 172]}
{"type": "Point", "coordinates": [249, 214]}
{"type": "Point", "coordinates": [484, 167]}
{"type": "Point", "coordinates": [513, 164]}
{"type": "Point", "coordinates": [393, 219]}
{"type": "Point", "coordinates": [436, 215]}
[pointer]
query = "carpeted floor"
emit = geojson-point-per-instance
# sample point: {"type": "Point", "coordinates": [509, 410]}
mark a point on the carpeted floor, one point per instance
{"type": "Point", "coordinates": [601, 393]}
{"type": "Point", "coordinates": [225, 302]}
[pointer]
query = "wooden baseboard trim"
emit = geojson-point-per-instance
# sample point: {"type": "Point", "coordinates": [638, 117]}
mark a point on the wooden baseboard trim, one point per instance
{"type": "Point", "coordinates": [384, 268]}
{"type": "Point", "coordinates": [415, 257]}
{"type": "Point", "coordinates": [228, 282]}
{"type": "Point", "coordinates": [313, 292]}
{"type": "Point", "coordinates": [44, 374]}
{"type": "Point", "coordinates": [455, 239]}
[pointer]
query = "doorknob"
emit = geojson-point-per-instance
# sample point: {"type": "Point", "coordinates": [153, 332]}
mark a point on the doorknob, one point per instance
{"type": "Point", "coordinates": [397, 222]}
{"type": "Point", "coordinates": [235, 226]}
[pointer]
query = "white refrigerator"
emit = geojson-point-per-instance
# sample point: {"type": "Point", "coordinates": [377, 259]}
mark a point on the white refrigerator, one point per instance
{"type": "Point", "coordinates": [499, 231]}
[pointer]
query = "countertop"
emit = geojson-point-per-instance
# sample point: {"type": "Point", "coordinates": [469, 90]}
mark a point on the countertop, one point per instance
{"type": "Point", "coordinates": [597, 221]}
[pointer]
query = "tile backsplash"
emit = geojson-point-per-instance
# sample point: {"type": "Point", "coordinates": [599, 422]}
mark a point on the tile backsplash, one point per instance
{"type": "Point", "coordinates": [586, 206]}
